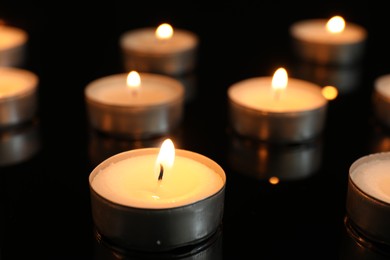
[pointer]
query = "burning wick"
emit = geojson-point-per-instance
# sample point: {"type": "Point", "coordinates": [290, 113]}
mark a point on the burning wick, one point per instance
{"type": "Point", "coordinates": [160, 176]}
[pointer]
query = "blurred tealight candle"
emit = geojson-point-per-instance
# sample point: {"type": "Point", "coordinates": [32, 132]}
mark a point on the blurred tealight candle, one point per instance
{"type": "Point", "coordinates": [277, 109]}
{"type": "Point", "coordinates": [136, 105]}
{"type": "Point", "coordinates": [332, 41]}
{"type": "Point", "coordinates": [381, 99]}
{"type": "Point", "coordinates": [18, 96]}
{"type": "Point", "coordinates": [164, 50]}
{"type": "Point", "coordinates": [13, 42]}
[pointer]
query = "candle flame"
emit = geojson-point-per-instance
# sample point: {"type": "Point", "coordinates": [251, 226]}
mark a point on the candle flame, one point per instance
{"type": "Point", "coordinates": [279, 81]}
{"type": "Point", "coordinates": [329, 92]}
{"type": "Point", "coordinates": [164, 31]}
{"type": "Point", "coordinates": [336, 24]}
{"type": "Point", "coordinates": [166, 156]}
{"type": "Point", "coordinates": [134, 81]}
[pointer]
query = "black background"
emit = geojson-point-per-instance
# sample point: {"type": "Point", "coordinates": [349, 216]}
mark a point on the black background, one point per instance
{"type": "Point", "coordinates": [44, 199]}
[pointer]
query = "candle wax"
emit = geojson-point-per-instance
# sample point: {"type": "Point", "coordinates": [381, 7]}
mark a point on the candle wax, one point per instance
{"type": "Point", "coordinates": [257, 93]}
{"type": "Point", "coordinates": [133, 182]}
{"type": "Point", "coordinates": [144, 40]}
{"type": "Point", "coordinates": [315, 31]}
{"type": "Point", "coordinates": [373, 178]}
{"type": "Point", "coordinates": [113, 90]}
{"type": "Point", "coordinates": [15, 82]}
{"type": "Point", "coordinates": [11, 37]}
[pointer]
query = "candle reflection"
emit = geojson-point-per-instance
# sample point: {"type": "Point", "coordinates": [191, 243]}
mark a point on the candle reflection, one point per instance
{"type": "Point", "coordinates": [380, 139]}
{"type": "Point", "coordinates": [19, 143]}
{"type": "Point", "coordinates": [356, 246]}
{"type": "Point", "coordinates": [210, 249]}
{"type": "Point", "coordinates": [274, 162]}
{"type": "Point", "coordinates": [345, 78]}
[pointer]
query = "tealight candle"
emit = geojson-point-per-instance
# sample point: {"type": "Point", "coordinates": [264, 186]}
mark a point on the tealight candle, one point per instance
{"type": "Point", "coordinates": [138, 105]}
{"type": "Point", "coordinates": [12, 46]}
{"type": "Point", "coordinates": [157, 200]}
{"type": "Point", "coordinates": [277, 109]}
{"type": "Point", "coordinates": [381, 99]}
{"type": "Point", "coordinates": [368, 197]}
{"type": "Point", "coordinates": [332, 41]}
{"type": "Point", "coordinates": [163, 50]}
{"type": "Point", "coordinates": [18, 96]}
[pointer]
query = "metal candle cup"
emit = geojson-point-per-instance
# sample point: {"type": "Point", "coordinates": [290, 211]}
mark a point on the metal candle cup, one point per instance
{"type": "Point", "coordinates": [368, 212]}
{"type": "Point", "coordinates": [12, 46]}
{"type": "Point", "coordinates": [273, 122]}
{"type": "Point", "coordinates": [18, 96]}
{"type": "Point", "coordinates": [312, 42]}
{"type": "Point", "coordinates": [133, 118]}
{"type": "Point", "coordinates": [157, 229]}
{"type": "Point", "coordinates": [142, 51]}
{"type": "Point", "coordinates": [381, 99]}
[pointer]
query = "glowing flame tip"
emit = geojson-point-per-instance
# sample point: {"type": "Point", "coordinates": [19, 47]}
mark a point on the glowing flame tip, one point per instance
{"type": "Point", "coordinates": [164, 31]}
{"type": "Point", "coordinates": [336, 24]}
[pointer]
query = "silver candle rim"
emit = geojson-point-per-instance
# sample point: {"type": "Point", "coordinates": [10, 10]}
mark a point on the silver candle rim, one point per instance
{"type": "Point", "coordinates": [288, 127]}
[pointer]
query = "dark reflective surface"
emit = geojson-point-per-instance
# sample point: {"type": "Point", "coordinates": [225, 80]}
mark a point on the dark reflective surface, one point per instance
{"type": "Point", "coordinates": [210, 249]}
{"type": "Point", "coordinates": [44, 196]}
{"type": "Point", "coordinates": [357, 246]}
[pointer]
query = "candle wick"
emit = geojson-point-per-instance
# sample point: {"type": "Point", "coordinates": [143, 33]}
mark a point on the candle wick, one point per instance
{"type": "Point", "coordinates": [277, 94]}
{"type": "Point", "coordinates": [160, 176]}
